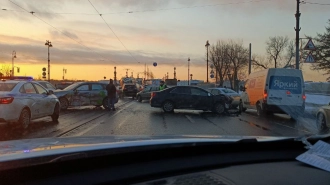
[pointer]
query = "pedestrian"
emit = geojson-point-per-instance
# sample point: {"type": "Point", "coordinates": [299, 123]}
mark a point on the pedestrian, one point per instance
{"type": "Point", "coordinates": [111, 89]}
{"type": "Point", "coordinates": [162, 85]}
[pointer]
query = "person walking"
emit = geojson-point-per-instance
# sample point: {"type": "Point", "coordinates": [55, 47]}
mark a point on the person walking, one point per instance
{"type": "Point", "coordinates": [162, 85]}
{"type": "Point", "coordinates": [111, 89]}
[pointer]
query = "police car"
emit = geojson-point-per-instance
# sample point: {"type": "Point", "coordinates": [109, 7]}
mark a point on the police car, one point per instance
{"type": "Point", "coordinates": [24, 100]}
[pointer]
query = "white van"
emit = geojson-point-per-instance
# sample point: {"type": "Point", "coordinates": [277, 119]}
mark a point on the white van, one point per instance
{"type": "Point", "coordinates": [274, 90]}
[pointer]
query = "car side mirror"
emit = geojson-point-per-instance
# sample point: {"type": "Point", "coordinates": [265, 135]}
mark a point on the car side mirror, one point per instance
{"type": "Point", "coordinates": [50, 92]}
{"type": "Point", "coordinates": [208, 94]}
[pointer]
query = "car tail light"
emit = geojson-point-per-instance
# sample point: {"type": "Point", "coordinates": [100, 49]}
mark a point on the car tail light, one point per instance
{"type": "Point", "coordinates": [153, 94]}
{"type": "Point", "coordinates": [6, 100]}
{"type": "Point", "coordinates": [265, 95]}
{"type": "Point", "coordinates": [304, 97]}
{"type": "Point", "coordinates": [288, 92]}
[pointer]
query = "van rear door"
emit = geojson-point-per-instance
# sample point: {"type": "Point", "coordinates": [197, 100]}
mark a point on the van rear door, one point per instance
{"type": "Point", "coordinates": [285, 90]}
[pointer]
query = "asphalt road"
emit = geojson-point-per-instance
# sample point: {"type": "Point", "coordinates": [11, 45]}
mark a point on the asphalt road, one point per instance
{"type": "Point", "coordinates": [135, 118]}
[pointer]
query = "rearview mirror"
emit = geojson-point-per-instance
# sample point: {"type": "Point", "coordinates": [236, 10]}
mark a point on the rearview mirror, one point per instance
{"type": "Point", "coordinates": [50, 92]}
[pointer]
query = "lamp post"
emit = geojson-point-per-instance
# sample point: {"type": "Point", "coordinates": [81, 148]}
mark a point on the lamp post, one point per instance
{"type": "Point", "coordinates": [188, 68]}
{"type": "Point", "coordinates": [64, 72]}
{"type": "Point", "coordinates": [207, 60]}
{"type": "Point", "coordinates": [48, 44]}
{"type": "Point", "coordinates": [13, 55]}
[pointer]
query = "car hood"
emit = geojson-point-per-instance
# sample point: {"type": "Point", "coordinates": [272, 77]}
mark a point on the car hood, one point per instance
{"type": "Point", "coordinates": [59, 93]}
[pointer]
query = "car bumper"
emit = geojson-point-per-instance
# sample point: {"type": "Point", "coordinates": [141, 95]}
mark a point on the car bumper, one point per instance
{"type": "Point", "coordinates": [130, 94]}
{"type": "Point", "coordinates": [155, 103]}
{"type": "Point", "coordinates": [283, 108]}
{"type": "Point", "coordinates": [9, 113]}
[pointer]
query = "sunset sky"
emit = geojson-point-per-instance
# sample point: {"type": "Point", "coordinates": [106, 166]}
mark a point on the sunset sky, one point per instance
{"type": "Point", "coordinates": [162, 31]}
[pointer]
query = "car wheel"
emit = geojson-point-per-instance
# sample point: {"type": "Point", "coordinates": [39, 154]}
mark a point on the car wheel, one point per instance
{"type": "Point", "coordinates": [105, 103]}
{"type": "Point", "coordinates": [24, 118]}
{"type": "Point", "coordinates": [56, 113]}
{"type": "Point", "coordinates": [64, 103]}
{"type": "Point", "coordinates": [168, 106]}
{"type": "Point", "coordinates": [219, 108]}
{"type": "Point", "coordinates": [321, 122]}
{"type": "Point", "coordinates": [139, 98]}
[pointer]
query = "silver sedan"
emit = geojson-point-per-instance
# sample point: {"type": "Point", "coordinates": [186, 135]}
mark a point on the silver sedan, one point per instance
{"type": "Point", "coordinates": [23, 101]}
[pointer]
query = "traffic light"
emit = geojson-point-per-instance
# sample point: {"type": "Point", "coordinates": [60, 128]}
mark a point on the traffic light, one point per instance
{"type": "Point", "coordinates": [44, 72]}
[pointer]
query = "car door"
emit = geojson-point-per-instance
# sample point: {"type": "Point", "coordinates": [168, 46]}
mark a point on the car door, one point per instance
{"type": "Point", "coordinates": [32, 99]}
{"type": "Point", "coordinates": [146, 94]}
{"type": "Point", "coordinates": [81, 95]}
{"type": "Point", "coordinates": [201, 99]}
{"type": "Point", "coordinates": [97, 94]}
{"type": "Point", "coordinates": [47, 103]}
{"type": "Point", "coordinates": [181, 97]}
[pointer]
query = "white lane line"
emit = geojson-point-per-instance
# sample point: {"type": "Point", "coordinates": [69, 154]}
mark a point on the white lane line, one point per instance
{"type": "Point", "coordinates": [190, 119]}
{"type": "Point", "coordinates": [101, 122]}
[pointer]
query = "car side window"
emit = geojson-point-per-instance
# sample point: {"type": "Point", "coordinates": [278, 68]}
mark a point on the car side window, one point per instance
{"type": "Point", "coordinates": [198, 92]}
{"type": "Point", "coordinates": [181, 90]}
{"type": "Point", "coordinates": [29, 89]}
{"type": "Point", "coordinates": [40, 89]}
{"type": "Point", "coordinates": [97, 87]}
{"type": "Point", "coordinates": [49, 86]}
{"type": "Point", "coordinates": [83, 88]}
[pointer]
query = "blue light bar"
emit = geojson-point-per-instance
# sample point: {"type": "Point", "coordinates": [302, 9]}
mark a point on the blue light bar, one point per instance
{"type": "Point", "coordinates": [28, 78]}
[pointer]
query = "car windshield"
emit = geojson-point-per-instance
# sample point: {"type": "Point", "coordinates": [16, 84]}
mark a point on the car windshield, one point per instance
{"type": "Point", "coordinates": [72, 86]}
{"type": "Point", "coordinates": [6, 87]}
{"type": "Point", "coordinates": [165, 59]}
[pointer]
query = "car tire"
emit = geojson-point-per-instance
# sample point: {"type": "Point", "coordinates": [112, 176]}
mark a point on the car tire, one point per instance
{"type": "Point", "coordinates": [64, 103]}
{"type": "Point", "coordinates": [321, 122]}
{"type": "Point", "coordinates": [219, 108]}
{"type": "Point", "coordinates": [105, 103]}
{"type": "Point", "coordinates": [168, 106]}
{"type": "Point", "coordinates": [241, 108]}
{"type": "Point", "coordinates": [24, 118]}
{"type": "Point", "coordinates": [139, 98]}
{"type": "Point", "coordinates": [56, 113]}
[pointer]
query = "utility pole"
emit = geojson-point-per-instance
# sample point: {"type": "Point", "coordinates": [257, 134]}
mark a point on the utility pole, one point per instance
{"type": "Point", "coordinates": [48, 44]}
{"type": "Point", "coordinates": [115, 74]}
{"type": "Point", "coordinates": [297, 29]}
{"type": "Point", "coordinates": [145, 70]}
{"type": "Point", "coordinates": [207, 60]}
{"type": "Point", "coordinates": [174, 72]}
{"type": "Point", "coordinates": [64, 72]}
{"type": "Point", "coordinates": [13, 55]}
{"type": "Point", "coordinates": [250, 60]}
{"type": "Point", "coordinates": [188, 68]}
{"type": "Point", "coordinates": [126, 73]}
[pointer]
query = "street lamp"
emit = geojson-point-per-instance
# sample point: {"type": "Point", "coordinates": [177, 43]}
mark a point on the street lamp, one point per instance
{"type": "Point", "coordinates": [48, 44]}
{"type": "Point", "coordinates": [13, 55]}
{"type": "Point", "coordinates": [207, 60]}
{"type": "Point", "coordinates": [188, 68]}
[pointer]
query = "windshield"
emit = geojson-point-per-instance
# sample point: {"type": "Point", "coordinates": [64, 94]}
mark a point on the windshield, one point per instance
{"type": "Point", "coordinates": [72, 86]}
{"type": "Point", "coordinates": [151, 68]}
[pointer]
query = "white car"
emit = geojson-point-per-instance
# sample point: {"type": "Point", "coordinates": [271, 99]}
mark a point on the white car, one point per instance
{"type": "Point", "coordinates": [23, 101]}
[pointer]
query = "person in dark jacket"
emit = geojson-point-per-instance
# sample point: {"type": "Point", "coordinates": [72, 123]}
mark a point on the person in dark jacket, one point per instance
{"type": "Point", "coordinates": [111, 89]}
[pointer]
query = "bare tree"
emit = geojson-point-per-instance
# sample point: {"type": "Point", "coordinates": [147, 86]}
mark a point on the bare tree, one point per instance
{"type": "Point", "coordinates": [218, 58]}
{"type": "Point", "coordinates": [260, 62]}
{"type": "Point", "coordinates": [276, 47]}
{"type": "Point", "coordinates": [6, 70]}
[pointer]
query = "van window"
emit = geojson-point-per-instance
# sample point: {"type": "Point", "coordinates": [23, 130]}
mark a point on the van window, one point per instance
{"type": "Point", "coordinates": [291, 83]}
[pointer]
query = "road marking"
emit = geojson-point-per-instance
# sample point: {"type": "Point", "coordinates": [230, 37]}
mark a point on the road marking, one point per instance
{"type": "Point", "coordinates": [190, 119]}
{"type": "Point", "coordinates": [97, 124]}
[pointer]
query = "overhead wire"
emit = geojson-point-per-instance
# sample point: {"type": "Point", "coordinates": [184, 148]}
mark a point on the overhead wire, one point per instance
{"type": "Point", "coordinates": [66, 34]}
{"type": "Point", "coordinates": [113, 31]}
{"type": "Point", "coordinates": [152, 10]}
{"type": "Point", "coordinates": [315, 3]}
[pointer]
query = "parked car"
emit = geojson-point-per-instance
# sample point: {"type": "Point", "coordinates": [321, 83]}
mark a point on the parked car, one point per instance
{"type": "Point", "coordinates": [84, 94]}
{"type": "Point", "coordinates": [145, 94]}
{"type": "Point", "coordinates": [229, 92]}
{"type": "Point", "coordinates": [323, 118]}
{"type": "Point", "coordinates": [23, 101]}
{"type": "Point", "coordinates": [187, 97]}
{"type": "Point", "coordinates": [274, 90]}
{"type": "Point", "coordinates": [47, 85]}
{"type": "Point", "coordinates": [63, 85]}
{"type": "Point", "coordinates": [130, 90]}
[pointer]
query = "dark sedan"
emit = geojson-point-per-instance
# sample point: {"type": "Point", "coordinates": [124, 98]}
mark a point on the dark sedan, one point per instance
{"type": "Point", "coordinates": [187, 97]}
